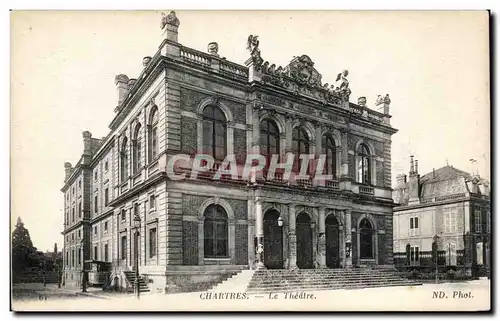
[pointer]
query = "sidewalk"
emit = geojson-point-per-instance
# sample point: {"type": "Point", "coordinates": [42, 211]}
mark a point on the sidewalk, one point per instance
{"type": "Point", "coordinates": [40, 292]}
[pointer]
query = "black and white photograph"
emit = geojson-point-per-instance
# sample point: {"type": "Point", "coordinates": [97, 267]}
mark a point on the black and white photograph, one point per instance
{"type": "Point", "coordinates": [196, 160]}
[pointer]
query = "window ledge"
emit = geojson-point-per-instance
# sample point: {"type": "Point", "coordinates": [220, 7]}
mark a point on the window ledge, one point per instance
{"type": "Point", "coordinates": [217, 259]}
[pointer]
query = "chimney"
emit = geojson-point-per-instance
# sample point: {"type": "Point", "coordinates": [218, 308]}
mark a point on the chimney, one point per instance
{"type": "Point", "coordinates": [412, 168]}
{"type": "Point", "coordinates": [170, 26]}
{"type": "Point", "coordinates": [146, 61]}
{"type": "Point", "coordinates": [67, 170]}
{"type": "Point", "coordinates": [401, 179]}
{"type": "Point", "coordinates": [87, 147]}
{"type": "Point", "coordinates": [416, 166]}
{"type": "Point", "coordinates": [121, 82]}
{"type": "Point", "coordinates": [433, 173]}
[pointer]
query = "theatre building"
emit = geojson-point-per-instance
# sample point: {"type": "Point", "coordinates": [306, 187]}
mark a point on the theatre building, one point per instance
{"type": "Point", "coordinates": [123, 207]}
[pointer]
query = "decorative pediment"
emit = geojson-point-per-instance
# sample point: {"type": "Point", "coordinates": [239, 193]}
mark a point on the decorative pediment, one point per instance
{"type": "Point", "coordinates": [301, 69]}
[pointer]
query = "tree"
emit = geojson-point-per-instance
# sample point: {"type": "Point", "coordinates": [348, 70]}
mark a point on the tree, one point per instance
{"type": "Point", "coordinates": [23, 251]}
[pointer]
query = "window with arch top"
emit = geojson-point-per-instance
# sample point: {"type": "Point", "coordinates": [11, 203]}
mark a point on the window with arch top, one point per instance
{"type": "Point", "coordinates": [215, 232]}
{"type": "Point", "coordinates": [136, 149]}
{"type": "Point", "coordinates": [214, 132]}
{"type": "Point", "coordinates": [300, 146]}
{"type": "Point", "coordinates": [329, 149]}
{"type": "Point", "coordinates": [364, 164]}
{"type": "Point", "coordinates": [153, 134]}
{"type": "Point", "coordinates": [269, 139]}
{"type": "Point", "coordinates": [124, 160]}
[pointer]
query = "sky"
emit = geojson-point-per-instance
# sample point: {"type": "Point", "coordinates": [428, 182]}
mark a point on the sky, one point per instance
{"type": "Point", "coordinates": [434, 66]}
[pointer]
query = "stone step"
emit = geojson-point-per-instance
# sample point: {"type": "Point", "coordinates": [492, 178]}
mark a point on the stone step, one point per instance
{"type": "Point", "coordinates": [271, 282]}
{"type": "Point", "coordinates": [328, 287]}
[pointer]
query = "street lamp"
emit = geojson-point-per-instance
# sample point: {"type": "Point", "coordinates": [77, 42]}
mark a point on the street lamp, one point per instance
{"type": "Point", "coordinates": [280, 221]}
{"type": "Point", "coordinates": [137, 225]}
{"type": "Point", "coordinates": [435, 250]}
{"type": "Point", "coordinates": [84, 279]}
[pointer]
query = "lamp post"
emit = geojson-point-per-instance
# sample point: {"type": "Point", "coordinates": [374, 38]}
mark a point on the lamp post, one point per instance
{"type": "Point", "coordinates": [84, 279]}
{"type": "Point", "coordinates": [435, 250]}
{"type": "Point", "coordinates": [137, 225]}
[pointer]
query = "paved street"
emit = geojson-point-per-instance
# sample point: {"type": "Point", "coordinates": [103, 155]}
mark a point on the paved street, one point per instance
{"type": "Point", "coordinates": [467, 296]}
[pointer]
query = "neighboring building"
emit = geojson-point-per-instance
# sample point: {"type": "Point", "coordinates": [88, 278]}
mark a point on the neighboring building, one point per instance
{"type": "Point", "coordinates": [448, 203]}
{"type": "Point", "coordinates": [193, 231]}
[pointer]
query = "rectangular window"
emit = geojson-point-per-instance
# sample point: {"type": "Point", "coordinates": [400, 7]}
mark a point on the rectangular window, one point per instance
{"type": "Point", "coordinates": [124, 215]}
{"type": "Point", "coordinates": [106, 166]}
{"type": "Point", "coordinates": [95, 230]}
{"type": "Point", "coordinates": [95, 252]}
{"type": "Point", "coordinates": [124, 248]}
{"type": "Point", "coordinates": [79, 257]}
{"type": "Point", "coordinates": [80, 209]}
{"type": "Point", "coordinates": [95, 204]}
{"type": "Point", "coordinates": [152, 202]}
{"type": "Point", "coordinates": [73, 258]}
{"type": "Point", "coordinates": [106, 253]}
{"type": "Point", "coordinates": [95, 175]}
{"type": "Point", "coordinates": [106, 227]}
{"type": "Point", "coordinates": [478, 220]}
{"type": "Point", "coordinates": [79, 234]}
{"type": "Point", "coordinates": [136, 209]}
{"type": "Point", "coordinates": [152, 242]}
{"type": "Point", "coordinates": [79, 184]}
{"type": "Point", "coordinates": [73, 214]}
{"type": "Point", "coordinates": [106, 197]}
{"type": "Point", "coordinates": [488, 222]}
{"type": "Point", "coordinates": [450, 221]}
{"type": "Point", "coordinates": [414, 231]}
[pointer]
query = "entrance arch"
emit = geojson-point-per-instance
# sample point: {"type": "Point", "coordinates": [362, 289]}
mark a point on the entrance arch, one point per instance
{"type": "Point", "coordinates": [273, 241]}
{"type": "Point", "coordinates": [332, 241]}
{"type": "Point", "coordinates": [304, 242]}
{"type": "Point", "coordinates": [366, 233]}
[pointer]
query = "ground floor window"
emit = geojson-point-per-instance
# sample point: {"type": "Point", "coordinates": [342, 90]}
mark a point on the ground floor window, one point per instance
{"type": "Point", "coordinates": [215, 232]}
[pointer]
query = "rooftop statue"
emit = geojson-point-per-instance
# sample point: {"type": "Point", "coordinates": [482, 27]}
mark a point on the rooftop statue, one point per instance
{"type": "Point", "coordinates": [342, 85]}
{"type": "Point", "coordinates": [253, 47]}
{"type": "Point", "coordinates": [170, 19]}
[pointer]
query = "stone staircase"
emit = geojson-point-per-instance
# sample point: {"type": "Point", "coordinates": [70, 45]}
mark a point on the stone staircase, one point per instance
{"type": "Point", "coordinates": [236, 283]}
{"type": "Point", "coordinates": [264, 281]}
{"type": "Point", "coordinates": [130, 275]}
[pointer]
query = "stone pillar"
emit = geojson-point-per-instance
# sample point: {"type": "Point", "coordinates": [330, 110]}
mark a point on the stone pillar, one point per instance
{"type": "Point", "coordinates": [348, 239]}
{"type": "Point", "coordinates": [288, 131]}
{"type": "Point", "coordinates": [259, 232]}
{"type": "Point", "coordinates": [321, 238]}
{"type": "Point", "coordinates": [292, 239]}
{"type": "Point", "coordinates": [344, 160]}
{"type": "Point", "coordinates": [170, 26]}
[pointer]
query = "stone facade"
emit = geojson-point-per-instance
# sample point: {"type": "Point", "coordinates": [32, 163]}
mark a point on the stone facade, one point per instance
{"type": "Point", "coordinates": [448, 203]}
{"type": "Point", "coordinates": [341, 222]}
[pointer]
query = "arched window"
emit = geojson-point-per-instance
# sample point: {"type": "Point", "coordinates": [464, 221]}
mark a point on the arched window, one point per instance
{"type": "Point", "coordinates": [364, 164]}
{"type": "Point", "coordinates": [214, 132]}
{"type": "Point", "coordinates": [300, 146]}
{"type": "Point", "coordinates": [124, 160]}
{"type": "Point", "coordinates": [269, 139]}
{"type": "Point", "coordinates": [215, 232]}
{"type": "Point", "coordinates": [153, 134]}
{"type": "Point", "coordinates": [137, 148]}
{"type": "Point", "coordinates": [366, 239]}
{"type": "Point", "coordinates": [330, 151]}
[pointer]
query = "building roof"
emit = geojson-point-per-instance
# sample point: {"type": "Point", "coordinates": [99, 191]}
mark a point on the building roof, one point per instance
{"type": "Point", "coordinates": [445, 173]}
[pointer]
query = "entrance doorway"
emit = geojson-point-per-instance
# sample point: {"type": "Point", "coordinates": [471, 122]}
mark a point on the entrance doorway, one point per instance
{"type": "Point", "coordinates": [366, 240]}
{"type": "Point", "coordinates": [332, 242]}
{"type": "Point", "coordinates": [273, 241]}
{"type": "Point", "coordinates": [304, 242]}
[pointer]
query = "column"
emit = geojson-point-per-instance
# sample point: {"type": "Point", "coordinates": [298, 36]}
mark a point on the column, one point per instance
{"type": "Point", "coordinates": [288, 130]}
{"type": "Point", "coordinates": [292, 239]}
{"type": "Point", "coordinates": [344, 169]}
{"type": "Point", "coordinates": [259, 232]}
{"type": "Point", "coordinates": [321, 238]}
{"type": "Point", "coordinates": [348, 240]}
